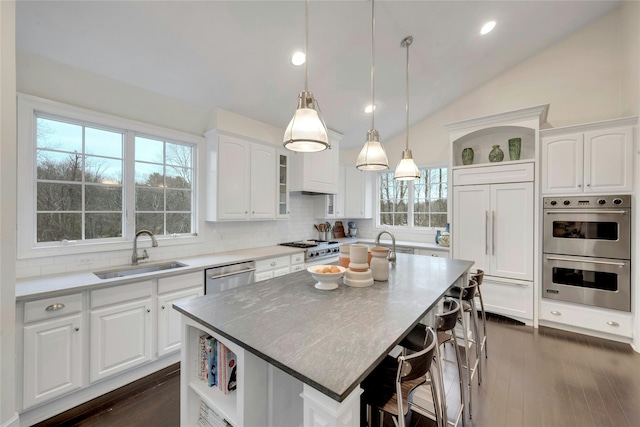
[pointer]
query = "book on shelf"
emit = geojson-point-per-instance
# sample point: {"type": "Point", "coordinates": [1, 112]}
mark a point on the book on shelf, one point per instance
{"type": "Point", "coordinates": [212, 361]}
{"type": "Point", "coordinates": [204, 356]}
{"type": "Point", "coordinates": [227, 369]}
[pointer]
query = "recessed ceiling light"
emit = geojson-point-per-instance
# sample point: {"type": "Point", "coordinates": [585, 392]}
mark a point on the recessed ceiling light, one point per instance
{"type": "Point", "coordinates": [298, 58]}
{"type": "Point", "coordinates": [369, 108]}
{"type": "Point", "coordinates": [486, 28]}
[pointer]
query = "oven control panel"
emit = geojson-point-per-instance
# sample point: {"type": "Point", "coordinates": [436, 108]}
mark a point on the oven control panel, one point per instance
{"type": "Point", "coordinates": [591, 202]}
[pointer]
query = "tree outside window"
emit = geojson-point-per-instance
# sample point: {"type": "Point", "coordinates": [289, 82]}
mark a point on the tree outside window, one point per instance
{"type": "Point", "coordinates": [421, 203]}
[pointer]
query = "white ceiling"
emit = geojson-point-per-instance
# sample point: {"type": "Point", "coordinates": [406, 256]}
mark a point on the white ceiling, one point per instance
{"type": "Point", "coordinates": [235, 55]}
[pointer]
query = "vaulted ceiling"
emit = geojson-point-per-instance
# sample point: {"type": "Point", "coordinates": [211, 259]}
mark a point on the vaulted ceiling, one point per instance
{"type": "Point", "coordinates": [236, 55]}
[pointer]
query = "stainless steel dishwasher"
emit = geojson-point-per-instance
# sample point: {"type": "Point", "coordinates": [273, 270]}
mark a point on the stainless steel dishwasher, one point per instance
{"type": "Point", "coordinates": [225, 277]}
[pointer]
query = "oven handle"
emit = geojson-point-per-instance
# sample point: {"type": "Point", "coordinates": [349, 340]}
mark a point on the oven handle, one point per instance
{"type": "Point", "coordinates": [585, 211]}
{"type": "Point", "coordinates": [554, 258]}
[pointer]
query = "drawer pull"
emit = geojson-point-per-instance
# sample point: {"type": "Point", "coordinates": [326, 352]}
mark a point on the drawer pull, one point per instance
{"type": "Point", "coordinates": [556, 313]}
{"type": "Point", "coordinates": [434, 255]}
{"type": "Point", "coordinates": [148, 310]}
{"type": "Point", "coordinates": [612, 323]}
{"type": "Point", "coordinates": [163, 307]}
{"type": "Point", "coordinates": [54, 307]}
{"type": "Point", "coordinates": [273, 263]}
{"type": "Point", "coordinates": [77, 328]}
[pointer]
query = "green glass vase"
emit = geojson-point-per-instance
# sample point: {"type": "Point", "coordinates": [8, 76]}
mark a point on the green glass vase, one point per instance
{"type": "Point", "coordinates": [496, 154]}
{"type": "Point", "coordinates": [514, 148]}
{"type": "Point", "coordinates": [467, 156]}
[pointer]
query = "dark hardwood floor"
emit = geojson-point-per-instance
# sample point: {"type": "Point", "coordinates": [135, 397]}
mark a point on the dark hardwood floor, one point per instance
{"type": "Point", "coordinates": [533, 378]}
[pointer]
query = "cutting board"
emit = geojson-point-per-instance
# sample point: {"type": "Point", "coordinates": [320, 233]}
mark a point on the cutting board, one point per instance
{"type": "Point", "coordinates": [338, 230]}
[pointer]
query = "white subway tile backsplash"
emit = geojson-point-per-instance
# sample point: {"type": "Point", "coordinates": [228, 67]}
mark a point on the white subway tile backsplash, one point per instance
{"type": "Point", "coordinates": [219, 237]}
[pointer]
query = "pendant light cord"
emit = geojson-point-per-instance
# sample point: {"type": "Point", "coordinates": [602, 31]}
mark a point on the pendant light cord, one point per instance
{"type": "Point", "coordinates": [407, 43]}
{"type": "Point", "coordinates": [373, 66]}
{"type": "Point", "coordinates": [306, 45]}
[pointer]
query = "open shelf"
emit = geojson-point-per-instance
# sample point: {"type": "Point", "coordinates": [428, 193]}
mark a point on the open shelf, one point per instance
{"type": "Point", "coordinates": [482, 142]}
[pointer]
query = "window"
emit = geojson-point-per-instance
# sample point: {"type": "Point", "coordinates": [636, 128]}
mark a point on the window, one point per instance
{"type": "Point", "coordinates": [91, 179]}
{"type": "Point", "coordinates": [421, 203]}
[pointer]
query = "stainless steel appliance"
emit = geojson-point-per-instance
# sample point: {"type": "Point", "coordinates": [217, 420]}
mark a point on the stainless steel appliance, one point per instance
{"type": "Point", "coordinates": [316, 250]}
{"type": "Point", "coordinates": [587, 250]}
{"type": "Point", "coordinates": [225, 277]}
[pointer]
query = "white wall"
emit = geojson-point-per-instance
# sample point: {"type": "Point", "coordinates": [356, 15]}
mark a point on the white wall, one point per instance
{"type": "Point", "coordinates": [8, 415]}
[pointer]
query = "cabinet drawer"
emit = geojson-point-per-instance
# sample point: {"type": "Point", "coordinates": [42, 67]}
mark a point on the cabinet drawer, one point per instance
{"type": "Point", "coordinates": [272, 263]}
{"type": "Point", "coordinates": [281, 272]}
{"type": "Point", "coordinates": [50, 308]}
{"type": "Point", "coordinates": [297, 267]}
{"type": "Point", "coordinates": [297, 259]}
{"type": "Point", "coordinates": [519, 172]}
{"type": "Point", "coordinates": [432, 252]}
{"type": "Point", "coordinates": [508, 297]}
{"type": "Point", "coordinates": [601, 320]}
{"type": "Point", "coordinates": [182, 281]}
{"type": "Point", "coordinates": [122, 293]}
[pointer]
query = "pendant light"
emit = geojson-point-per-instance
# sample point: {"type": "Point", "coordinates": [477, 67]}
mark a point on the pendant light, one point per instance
{"type": "Point", "coordinates": [307, 131]}
{"type": "Point", "coordinates": [407, 169]}
{"type": "Point", "coordinates": [372, 157]}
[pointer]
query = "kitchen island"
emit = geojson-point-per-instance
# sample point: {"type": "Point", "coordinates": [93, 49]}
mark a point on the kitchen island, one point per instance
{"type": "Point", "coordinates": [326, 342]}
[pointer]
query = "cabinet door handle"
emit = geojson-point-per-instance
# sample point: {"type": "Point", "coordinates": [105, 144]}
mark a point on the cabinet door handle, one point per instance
{"type": "Point", "coordinates": [612, 323]}
{"type": "Point", "coordinates": [273, 264]}
{"type": "Point", "coordinates": [163, 307]}
{"type": "Point", "coordinates": [486, 231]}
{"type": "Point", "coordinates": [148, 310]}
{"type": "Point", "coordinates": [493, 232]}
{"type": "Point", "coordinates": [77, 328]}
{"type": "Point", "coordinates": [54, 307]}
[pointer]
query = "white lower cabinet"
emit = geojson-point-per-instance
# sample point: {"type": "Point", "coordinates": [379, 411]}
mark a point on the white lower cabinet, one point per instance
{"type": "Point", "coordinates": [170, 290]}
{"type": "Point", "coordinates": [432, 252]}
{"type": "Point", "coordinates": [120, 329]}
{"type": "Point", "coordinates": [581, 318]}
{"type": "Point", "coordinates": [72, 348]}
{"type": "Point", "coordinates": [512, 298]}
{"type": "Point", "coordinates": [272, 267]}
{"type": "Point", "coordinates": [53, 348]}
{"type": "Point", "coordinates": [297, 262]}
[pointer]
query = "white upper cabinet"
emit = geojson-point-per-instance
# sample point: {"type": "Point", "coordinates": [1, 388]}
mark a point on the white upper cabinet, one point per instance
{"type": "Point", "coordinates": [242, 179]}
{"type": "Point", "coordinates": [594, 158]}
{"type": "Point", "coordinates": [358, 193]}
{"type": "Point", "coordinates": [317, 172]}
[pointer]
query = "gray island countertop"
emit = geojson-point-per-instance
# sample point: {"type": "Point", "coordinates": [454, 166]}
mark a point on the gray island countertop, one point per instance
{"type": "Point", "coordinates": [330, 340]}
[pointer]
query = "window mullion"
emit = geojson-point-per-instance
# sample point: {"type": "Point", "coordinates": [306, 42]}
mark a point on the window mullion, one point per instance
{"type": "Point", "coordinates": [129, 186]}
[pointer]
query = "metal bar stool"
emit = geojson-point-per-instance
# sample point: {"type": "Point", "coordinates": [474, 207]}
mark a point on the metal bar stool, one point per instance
{"type": "Point", "coordinates": [389, 388]}
{"type": "Point", "coordinates": [466, 298]}
{"type": "Point", "coordinates": [479, 276]}
{"type": "Point", "coordinates": [446, 333]}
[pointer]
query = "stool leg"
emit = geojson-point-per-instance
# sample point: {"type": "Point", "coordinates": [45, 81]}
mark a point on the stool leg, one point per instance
{"type": "Point", "coordinates": [484, 324]}
{"type": "Point", "coordinates": [465, 409]}
{"type": "Point", "coordinates": [439, 407]}
{"type": "Point", "coordinates": [476, 332]}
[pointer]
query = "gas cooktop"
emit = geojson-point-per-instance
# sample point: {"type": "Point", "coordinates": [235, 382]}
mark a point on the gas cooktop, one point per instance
{"type": "Point", "coordinates": [309, 243]}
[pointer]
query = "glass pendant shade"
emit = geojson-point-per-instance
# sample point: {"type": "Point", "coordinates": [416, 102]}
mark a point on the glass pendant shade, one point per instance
{"type": "Point", "coordinates": [406, 169]}
{"type": "Point", "coordinates": [306, 132]}
{"type": "Point", "coordinates": [372, 157]}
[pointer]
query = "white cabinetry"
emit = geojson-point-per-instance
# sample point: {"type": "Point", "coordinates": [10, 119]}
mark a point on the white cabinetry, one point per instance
{"type": "Point", "coordinates": [170, 290]}
{"type": "Point", "coordinates": [297, 262]}
{"type": "Point", "coordinates": [120, 329]}
{"type": "Point", "coordinates": [272, 267]}
{"type": "Point", "coordinates": [580, 318]}
{"type": "Point", "coordinates": [494, 207]}
{"type": "Point", "coordinates": [494, 227]}
{"type": "Point", "coordinates": [283, 195]}
{"type": "Point", "coordinates": [332, 205]}
{"type": "Point", "coordinates": [317, 172]}
{"type": "Point", "coordinates": [53, 361]}
{"type": "Point", "coordinates": [595, 158]}
{"type": "Point", "coordinates": [358, 193]}
{"type": "Point", "coordinates": [242, 179]}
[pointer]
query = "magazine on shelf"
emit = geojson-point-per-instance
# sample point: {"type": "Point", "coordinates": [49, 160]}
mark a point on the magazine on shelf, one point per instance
{"type": "Point", "coordinates": [210, 418]}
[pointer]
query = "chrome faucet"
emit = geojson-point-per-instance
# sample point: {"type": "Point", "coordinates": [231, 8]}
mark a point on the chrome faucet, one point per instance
{"type": "Point", "coordinates": [135, 257]}
{"type": "Point", "coordinates": [392, 253]}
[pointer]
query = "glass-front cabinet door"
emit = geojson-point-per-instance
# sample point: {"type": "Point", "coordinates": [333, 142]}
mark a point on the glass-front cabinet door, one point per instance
{"type": "Point", "coordinates": [283, 185]}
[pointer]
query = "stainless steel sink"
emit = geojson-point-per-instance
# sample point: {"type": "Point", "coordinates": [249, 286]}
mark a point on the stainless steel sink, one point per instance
{"type": "Point", "coordinates": [139, 269]}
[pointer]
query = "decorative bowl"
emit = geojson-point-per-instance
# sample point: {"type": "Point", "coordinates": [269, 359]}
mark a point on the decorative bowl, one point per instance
{"type": "Point", "coordinates": [326, 281]}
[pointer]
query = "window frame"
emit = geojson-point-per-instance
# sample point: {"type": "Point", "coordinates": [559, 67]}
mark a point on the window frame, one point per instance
{"type": "Point", "coordinates": [31, 107]}
{"type": "Point", "coordinates": [409, 229]}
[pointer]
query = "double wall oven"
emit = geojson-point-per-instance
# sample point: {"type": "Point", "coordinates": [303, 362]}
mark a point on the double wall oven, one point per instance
{"type": "Point", "coordinates": [587, 250]}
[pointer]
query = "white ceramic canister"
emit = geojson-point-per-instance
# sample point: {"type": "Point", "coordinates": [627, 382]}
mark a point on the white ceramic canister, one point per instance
{"type": "Point", "coordinates": [379, 263]}
{"type": "Point", "coordinates": [358, 253]}
{"type": "Point", "coordinates": [344, 258]}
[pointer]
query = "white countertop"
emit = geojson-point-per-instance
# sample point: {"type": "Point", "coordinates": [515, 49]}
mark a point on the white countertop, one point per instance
{"type": "Point", "coordinates": [71, 282]}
